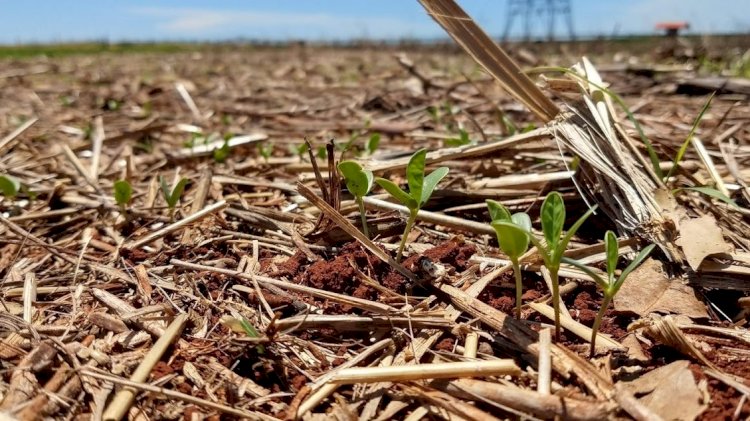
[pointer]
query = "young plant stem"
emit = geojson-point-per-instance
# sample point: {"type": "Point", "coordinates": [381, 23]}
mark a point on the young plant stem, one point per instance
{"type": "Point", "coordinates": [362, 215]}
{"type": "Point", "coordinates": [519, 285]}
{"type": "Point", "coordinates": [555, 299]}
{"type": "Point", "coordinates": [409, 225]}
{"type": "Point", "coordinates": [598, 322]}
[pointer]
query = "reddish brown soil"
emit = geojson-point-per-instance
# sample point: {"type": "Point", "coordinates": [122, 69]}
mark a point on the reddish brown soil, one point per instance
{"type": "Point", "coordinates": [337, 274]}
{"type": "Point", "coordinates": [446, 344]}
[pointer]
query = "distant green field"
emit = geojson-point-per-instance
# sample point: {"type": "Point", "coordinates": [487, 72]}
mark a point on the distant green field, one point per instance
{"type": "Point", "coordinates": [636, 44]}
{"type": "Point", "coordinates": [58, 50]}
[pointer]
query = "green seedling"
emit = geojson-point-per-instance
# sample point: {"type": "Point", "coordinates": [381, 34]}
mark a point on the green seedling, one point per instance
{"type": "Point", "coordinates": [513, 237]}
{"type": "Point", "coordinates": [462, 140]}
{"type": "Point", "coordinates": [612, 284]}
{"type": "Point", "coordinates": [252, 333]}
{"type": "Point", "coordinates": [221, 154]}
{"type": "Point", "coordinates": [301, 149]}
{"type": "Point", "coordinates": [359, 183]}
{"type": "Point", "coordinates": [265, 150]}
{"type": "Point", "coordinates": [172, 195]}
{"type": "Point", "coordinates": [123, 193]}
{"type": "Point", "coordinates": [420, 190]}
{"type": "Point", "coordinates": [9, 186]}
{"type": "Point", "coordinates": [553, 219]}
{"type": "Point", "coordinates": [372, 143]}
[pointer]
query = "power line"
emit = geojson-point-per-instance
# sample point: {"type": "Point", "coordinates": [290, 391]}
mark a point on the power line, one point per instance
{"type": "Point", "coordinates": [531, 10]}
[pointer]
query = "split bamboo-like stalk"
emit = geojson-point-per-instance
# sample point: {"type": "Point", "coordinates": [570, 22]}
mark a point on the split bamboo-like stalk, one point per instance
{"type": "Point", "coordinates": [612, 171]}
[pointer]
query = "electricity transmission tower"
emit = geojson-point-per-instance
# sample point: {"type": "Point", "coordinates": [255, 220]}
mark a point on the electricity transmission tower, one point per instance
{"type": "Point", "coordinates": [531, 10]}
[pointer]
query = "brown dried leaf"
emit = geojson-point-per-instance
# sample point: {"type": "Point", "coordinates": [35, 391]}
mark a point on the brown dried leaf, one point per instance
{"type": "Point", "coordinates": [649, 290]}
{"type": "Point", "coordinates": [671, 392]}
{"type": "Point", "coordinates": [701, 237]}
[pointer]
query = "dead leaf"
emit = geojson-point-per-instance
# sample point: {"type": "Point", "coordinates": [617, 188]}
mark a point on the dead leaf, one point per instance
{"type": "Point", "coordinates": [649, 290]}
{"type": "Point", "coordinates": [670, 392]}
{"type": "Point", "coordinates": [701, 237]}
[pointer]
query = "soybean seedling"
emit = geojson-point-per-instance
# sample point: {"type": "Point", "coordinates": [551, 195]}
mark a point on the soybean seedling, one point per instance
{"type": "Point", "coordinates": [513, 238]}
{"type": "Point", "coordinates": [9, 186]}
{"type": "Point", "coordinates": [123, 193]}
{"type": "Point", "coordinates": [420, 190]}
{"type": "Point", "coordinates": [612, 284]}
{"type": "Point", "coordinates": [359, 183]}
{"type": "Point", "coordinates": [172, 195]}
{"type": "Point", "coordinates": [553, 219]}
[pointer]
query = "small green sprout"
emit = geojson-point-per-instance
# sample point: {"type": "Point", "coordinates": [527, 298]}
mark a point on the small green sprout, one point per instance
{"type": "Point", "coordinates": [420, 190]}
{"type": "Point", "coordinates": [9, 186]}
{"type": "Point", "coordinates": [123, 193]}
{"type": "Point", "coordinates": [265, 150]}
{"type": "Point", "coordinates": [553, 219]}
{"type": "Point", "coordinates": [462, 140]}
{"type": "Point", "coordinates": [301, 149]}
{"type": "Point", "coordinates": [612, 284]}
{"type": "Point", "coordinates": [359, 183]}
{"type": "Point", "coordinates": [221, 154]}
{"type": "Point", "coordinates": [513, 237]}
{"type": "Point", "coordinates": [253, 333]}
{"type": "Point", "coordinates": [372, 143]}
{"type": "Point", "coordinates": [172, 195]}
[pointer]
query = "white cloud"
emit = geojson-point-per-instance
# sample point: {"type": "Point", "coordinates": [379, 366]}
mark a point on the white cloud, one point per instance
{"type": "Point", "coordinates": [197, 22]}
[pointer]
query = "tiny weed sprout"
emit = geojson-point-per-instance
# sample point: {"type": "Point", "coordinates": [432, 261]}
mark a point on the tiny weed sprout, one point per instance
{"type": "Point", "coordinates": [301, 149]}
{"type": "Point", "coordinates": [612, 284]}
{"type": "Point", "coordinates": [265, 150]}
{"type": "Point", "coordinates": [513, 237]}
{"type": "Point", "coordinates": [420, 190]}
{"type": "Point", "coordinates": [221, 154]}
{"type": "Point", "coordinates": [9, 186]}
{"type": "Point", "coordinates": [553, 219]}
{"type": "Point", "coordinates": [359, 183]}
{"type": "Point", "coordinates": [683, 148]}
{"type": "Point", "coordinates": [461, 140]}
{"type": "Point", "coordinates": [123, 193]}
{"type": "Point", "coordinates": [251, 332]}
{"type": "Point", "coordinates": [172, 195]}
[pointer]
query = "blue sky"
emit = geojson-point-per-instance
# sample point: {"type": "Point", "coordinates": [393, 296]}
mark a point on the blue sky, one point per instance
{"type": "Point", "coordinates": [75, 20]}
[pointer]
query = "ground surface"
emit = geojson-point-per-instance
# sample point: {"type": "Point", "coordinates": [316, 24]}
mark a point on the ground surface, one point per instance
{"type": "Point", "coordinates": [86, 297]}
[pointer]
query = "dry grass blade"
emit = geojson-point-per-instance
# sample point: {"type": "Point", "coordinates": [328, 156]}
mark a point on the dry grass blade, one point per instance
{"type": "Point", "coordinates": [528, 401]}
{"type": "Point", "coordinates": [426, 371]}
{"type": "Point", "coordinates": [350, 229]}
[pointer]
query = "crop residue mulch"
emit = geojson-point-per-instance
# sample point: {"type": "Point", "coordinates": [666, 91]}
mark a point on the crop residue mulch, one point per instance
{"type": "Point", "coordinates": [89, 287]}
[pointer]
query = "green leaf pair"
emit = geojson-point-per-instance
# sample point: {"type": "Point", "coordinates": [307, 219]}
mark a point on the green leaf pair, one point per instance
{"type": "Point", "coordinates": [172, 195]}
{"type": "Point", "coordinates": [359, 182]}
{"type": "Point", "coordinates": [421, 188]}
{"type": "Point", "coordinates": [513, 232]}
{"type": "Point", "coordinates": [613, 283]}
{"type": "Point", "coordinates": [553, 220]}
